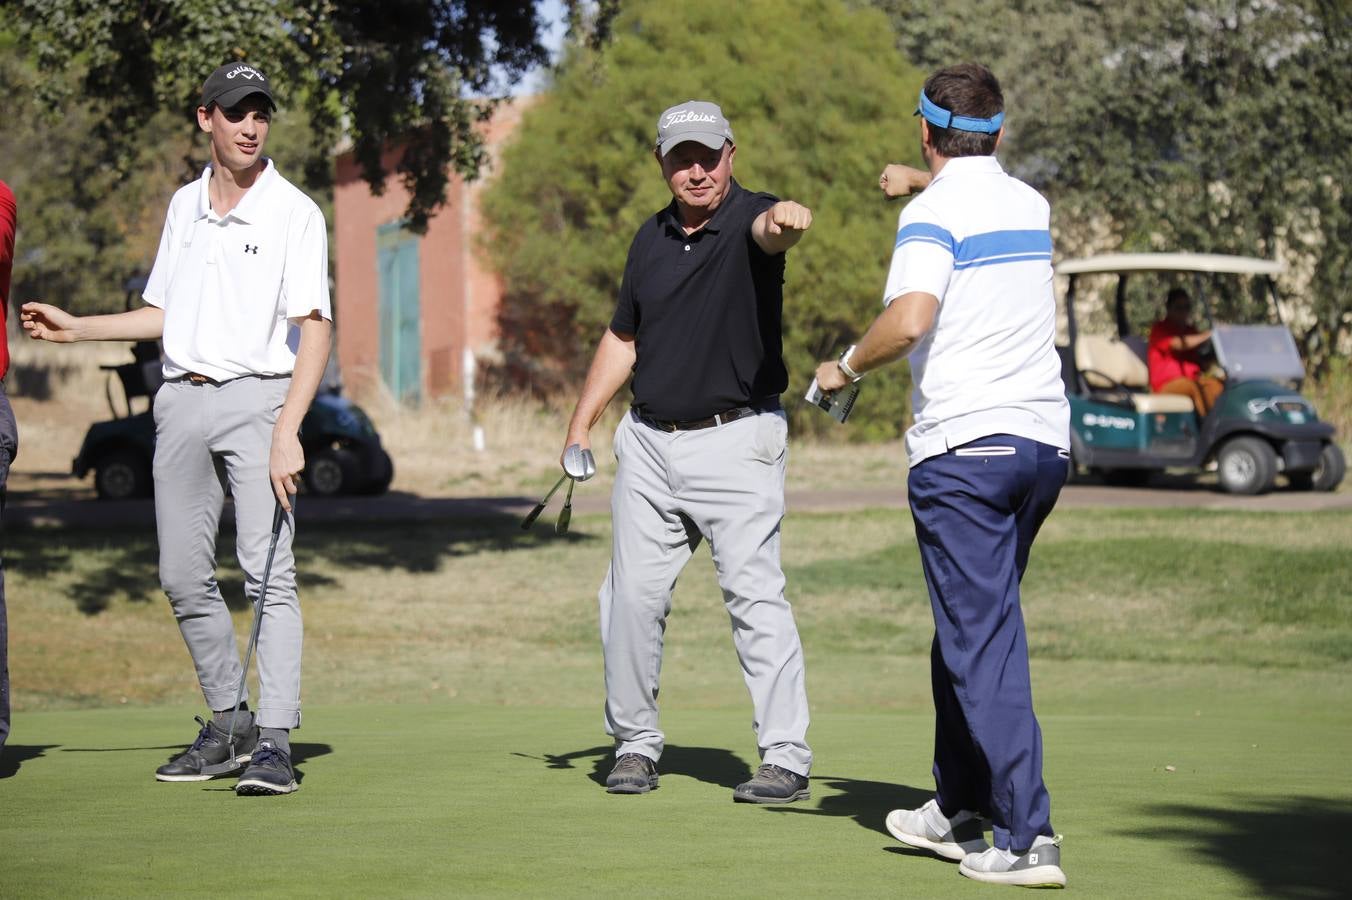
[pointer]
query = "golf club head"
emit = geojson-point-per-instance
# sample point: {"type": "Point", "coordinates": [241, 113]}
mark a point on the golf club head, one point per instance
{"type": "Point", "coordinates": [578, 463]}
{"type": "Point", "coordinates": [228, 767]}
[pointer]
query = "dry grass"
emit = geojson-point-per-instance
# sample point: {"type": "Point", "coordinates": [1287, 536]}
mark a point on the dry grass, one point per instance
{"type": "Point", "coordinates": [1332, 397]}
{"type": "Point", "coordinates": [58, 391]}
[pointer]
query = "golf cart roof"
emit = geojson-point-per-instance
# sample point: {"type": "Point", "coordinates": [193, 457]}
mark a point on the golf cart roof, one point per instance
{"type": "Point", "coordinates": [1170, 262]}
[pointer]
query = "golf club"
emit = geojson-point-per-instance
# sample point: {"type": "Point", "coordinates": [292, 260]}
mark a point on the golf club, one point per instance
{"type": "Point", "coordinates": [566, 514]}
{"type": "Point", "coordinates": [578, 465]}
{"type": "Point", "coordinates": [527, 522]}
{"type": "Point", "coordinates": [231, 764]}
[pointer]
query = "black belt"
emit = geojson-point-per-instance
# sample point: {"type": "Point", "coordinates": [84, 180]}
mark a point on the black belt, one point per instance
{"type": "Point", "coordinates": [722, 418]}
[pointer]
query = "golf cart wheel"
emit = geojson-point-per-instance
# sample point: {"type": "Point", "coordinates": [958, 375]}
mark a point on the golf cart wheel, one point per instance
{"type": "Point", "coordinates": [382, 473]}
{"type": "Point", "coordinates": [1247, 465]}
{"type": "Point", "coordinates": [121, 475]}
{"type": "Point", "coordinates": [331, 471]}
{"type": "Point", "coordinates": [1326, 476]}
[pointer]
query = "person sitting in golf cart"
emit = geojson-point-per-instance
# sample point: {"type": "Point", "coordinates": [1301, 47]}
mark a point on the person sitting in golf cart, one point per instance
{"type": "Point", "coordinates": [1173, 355]}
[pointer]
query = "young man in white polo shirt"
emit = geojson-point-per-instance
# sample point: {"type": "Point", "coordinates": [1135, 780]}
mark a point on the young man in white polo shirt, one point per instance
{"type": "Point", "coordinates": [969, 299]}
{"type": "Point", "coordinates": [239, 295]}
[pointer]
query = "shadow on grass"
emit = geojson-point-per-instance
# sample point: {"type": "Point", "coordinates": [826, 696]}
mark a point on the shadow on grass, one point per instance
{"type": "Point", "coordinates": [108, 566]}
{"type": "Point", "coordinates": [301, 753]}
{"type": "Point", "coordinates": [1290, 847]}
{"type": "Point", "coordinates": [866, 802]}
{"type": "Point", "coordinates": [12, 756]}
{"type": "Point", "coordinates": [708, 764]}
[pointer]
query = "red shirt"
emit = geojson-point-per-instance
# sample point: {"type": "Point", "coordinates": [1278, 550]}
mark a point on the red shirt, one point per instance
{"type": "Point", "coordinates": [9, 220]}
{"type": "Point", "coordinates": [1165, 363]}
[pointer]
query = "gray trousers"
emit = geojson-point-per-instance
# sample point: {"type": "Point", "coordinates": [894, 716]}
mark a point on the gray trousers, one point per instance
{"type": "Point", "coordinates": [207, 437]}
{"type": "Point", "coordinates": [672, 489]}
{"type": "Point", "coordinates": [9, 448]}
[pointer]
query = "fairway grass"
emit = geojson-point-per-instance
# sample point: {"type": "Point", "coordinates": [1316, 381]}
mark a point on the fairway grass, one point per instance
{"type": "Point", "coordinates": [449, 799]}
{"type": "Point", "coordinates": [1191, 672]}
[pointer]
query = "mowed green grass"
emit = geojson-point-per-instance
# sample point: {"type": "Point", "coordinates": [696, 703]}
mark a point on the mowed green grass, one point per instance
{"type": "Point", "coordinates": [1191, 670]}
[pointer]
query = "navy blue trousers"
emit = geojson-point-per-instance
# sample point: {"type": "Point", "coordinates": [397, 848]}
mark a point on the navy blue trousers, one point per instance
{"type": "Point", "coordinates": [977, 509]}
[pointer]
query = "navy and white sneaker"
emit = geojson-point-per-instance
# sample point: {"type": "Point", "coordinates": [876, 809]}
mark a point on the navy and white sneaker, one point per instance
{"type": "Point", "coordinates": [210, 748]}
{"type": "Point", "coordinates": [269, 772]}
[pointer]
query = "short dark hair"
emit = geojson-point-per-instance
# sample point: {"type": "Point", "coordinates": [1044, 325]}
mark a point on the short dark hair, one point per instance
{"type": "Point", "coordinates": [967, 89]}
{"type": "Point", "coordinates": [1176, 294]}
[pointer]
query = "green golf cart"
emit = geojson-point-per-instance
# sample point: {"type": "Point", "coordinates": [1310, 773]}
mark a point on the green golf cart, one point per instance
{"type": "Point", "coordinates": [1260, 426]}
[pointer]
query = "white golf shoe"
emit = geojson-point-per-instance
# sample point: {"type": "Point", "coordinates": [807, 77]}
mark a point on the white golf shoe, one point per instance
{"type": "Point", "coordinates": [927, 828]}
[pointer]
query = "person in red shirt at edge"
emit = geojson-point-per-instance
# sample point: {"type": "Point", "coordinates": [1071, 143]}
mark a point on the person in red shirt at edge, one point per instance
{"type": "Point", "coordinates": [1173, 358]}
{"type": "Point", "coordinates": [9, 438]}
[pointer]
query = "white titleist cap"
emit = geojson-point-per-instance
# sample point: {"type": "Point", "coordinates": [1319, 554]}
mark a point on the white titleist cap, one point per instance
{"type": "Point", "coordinates": [693, 120]}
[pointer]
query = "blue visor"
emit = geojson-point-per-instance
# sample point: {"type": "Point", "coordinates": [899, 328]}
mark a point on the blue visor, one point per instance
{"type": "Point", "coordinates": [937, 115]}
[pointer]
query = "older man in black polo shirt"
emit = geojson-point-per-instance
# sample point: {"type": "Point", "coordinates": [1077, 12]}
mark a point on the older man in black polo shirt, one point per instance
{"type": "Point", "coordinates": [701, 453]}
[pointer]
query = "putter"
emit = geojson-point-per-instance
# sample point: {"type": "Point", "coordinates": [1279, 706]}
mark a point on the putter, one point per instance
{"type": "Point", "coordinates": [231, 764]}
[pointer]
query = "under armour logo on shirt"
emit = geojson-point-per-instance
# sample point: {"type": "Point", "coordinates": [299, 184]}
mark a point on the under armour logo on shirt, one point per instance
{"type": "Point", "coordinates": [251, 248]}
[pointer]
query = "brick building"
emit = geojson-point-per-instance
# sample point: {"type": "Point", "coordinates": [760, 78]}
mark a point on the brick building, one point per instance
{"type": "Point", "coordinates": [408, 308]}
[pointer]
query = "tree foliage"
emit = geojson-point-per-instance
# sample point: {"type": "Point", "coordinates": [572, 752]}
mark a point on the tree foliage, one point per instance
{"type": "Point", "coordinates": [84, 226]}
{"type": "Point", "coordinates": [87, 225]}
{"type": "Point", "coordinates": [1201, 125]}
{"type": "Point", "coordinates": [818, 102]}
{"type": "Point", "coordinates": [371, 72]}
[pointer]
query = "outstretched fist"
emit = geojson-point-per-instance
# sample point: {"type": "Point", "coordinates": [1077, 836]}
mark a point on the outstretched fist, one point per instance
{"type": "Point", "coordinates": [901, 181]}
{"type": "Point", "coordinates": [788, 216]}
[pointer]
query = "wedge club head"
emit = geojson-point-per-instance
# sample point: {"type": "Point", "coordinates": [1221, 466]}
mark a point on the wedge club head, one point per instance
{"type": "Point", "coordinates": [579, 464]}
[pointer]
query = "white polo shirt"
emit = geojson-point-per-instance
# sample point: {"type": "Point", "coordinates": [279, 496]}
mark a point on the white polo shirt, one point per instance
{"type": "Point", "coordinates": [980, 241]}
{"type": "Point", "coordinates": [234, 288]}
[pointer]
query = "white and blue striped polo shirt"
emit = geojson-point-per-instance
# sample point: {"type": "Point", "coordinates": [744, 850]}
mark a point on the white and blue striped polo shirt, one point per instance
{"type": "Point", "coordinates": [980, 241]}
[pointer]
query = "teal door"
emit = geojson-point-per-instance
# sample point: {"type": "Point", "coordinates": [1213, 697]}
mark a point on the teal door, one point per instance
{"type": "Point", "coordinates": [400, 319]}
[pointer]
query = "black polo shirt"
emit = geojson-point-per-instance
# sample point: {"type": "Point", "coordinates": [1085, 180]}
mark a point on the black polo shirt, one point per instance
{"type": "Point", "coordinates": [705, 310]}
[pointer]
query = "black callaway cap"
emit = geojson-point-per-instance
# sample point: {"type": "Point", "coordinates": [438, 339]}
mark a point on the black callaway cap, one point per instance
{"type": "Point", "coordinates": [232, 82]}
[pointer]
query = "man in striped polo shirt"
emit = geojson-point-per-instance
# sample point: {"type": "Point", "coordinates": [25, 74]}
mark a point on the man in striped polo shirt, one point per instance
{"type": "Point", "coordinates": [969, 300]}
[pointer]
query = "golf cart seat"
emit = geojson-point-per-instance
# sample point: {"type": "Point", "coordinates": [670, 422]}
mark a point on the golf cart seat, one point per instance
{"type": "Point", "coordinates": [1108, 365]}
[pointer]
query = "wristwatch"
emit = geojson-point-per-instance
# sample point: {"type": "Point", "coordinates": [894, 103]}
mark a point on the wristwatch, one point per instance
{"type": "Point", "coordinates": [844, 365]}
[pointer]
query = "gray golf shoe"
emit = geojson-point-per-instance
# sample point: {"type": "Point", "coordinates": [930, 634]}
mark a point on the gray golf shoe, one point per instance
{"type": "Point", "coordinates": [210, 748]}
{"type": "Point", "coordinates": [772, 784]}
{"type": "Point", "coordinates": [1039, 866]}
{"type": "Point", "coordinates": [927, 828]}
{"type": "Point", "coordinates": [634, 773]}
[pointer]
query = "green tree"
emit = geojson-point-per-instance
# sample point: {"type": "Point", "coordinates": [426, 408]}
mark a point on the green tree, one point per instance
{"type": "Point", "coordinates": [374, 72]}
{"type": "Point", "coordinates": [818, 101]}
{"type": "Point", "coordinates": [1201, 125]}
{"type": "Point", "coordinates": [87, 225]}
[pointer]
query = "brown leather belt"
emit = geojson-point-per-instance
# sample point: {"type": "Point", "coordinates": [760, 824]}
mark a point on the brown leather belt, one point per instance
{"type": "Point", "coordinates": [201, 379]}
{"type": "Point", "coordinates": [723, 418]}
